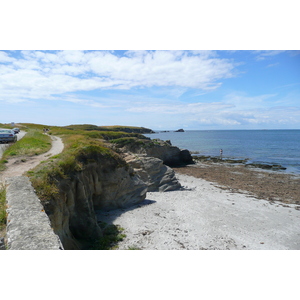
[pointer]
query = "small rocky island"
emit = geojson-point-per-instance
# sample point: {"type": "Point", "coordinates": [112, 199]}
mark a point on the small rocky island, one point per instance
{"type": "Point", "coordinates": [179, 130]}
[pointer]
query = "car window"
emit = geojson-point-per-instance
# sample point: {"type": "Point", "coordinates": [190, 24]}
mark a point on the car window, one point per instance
{"type": "Point", "coordinates": [6, 131]}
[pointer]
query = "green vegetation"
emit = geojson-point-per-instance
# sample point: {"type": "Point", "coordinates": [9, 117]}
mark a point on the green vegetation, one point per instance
{"type": "Point", "coordinates": [112, 234]}
{"type": "Point", "coordinates": [8, 126]}
{"type": "Point", "coordinates": [83, 145]}
{"type": "Point", "coordinates": [2, 206]}
{"type": "Point", "coordinates": [128, 129]}
{"type": "Point", "coordinates": [33, 143]}
{"type": "Point", "coordinates": [134, 248]}
{"type": "Point", "coordinates": [128, 141]}
{"type": "Point", "coordinates": [80, 150]}
{"type": "Point", "coordinates": [132, 142]}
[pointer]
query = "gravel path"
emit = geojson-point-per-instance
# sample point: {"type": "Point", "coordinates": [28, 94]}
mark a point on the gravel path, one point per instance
{"type": "Point", "coordinates": [17, 166]}
{"type": "Point", "coordinates": [205, 217]}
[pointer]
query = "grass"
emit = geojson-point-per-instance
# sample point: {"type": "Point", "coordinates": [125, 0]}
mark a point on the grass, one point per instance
{"type": "Point", "coordinates": [121, 142]}
{"type": "Point", "coordinates": [83, 145]}
{"type": "Point", "coordinates": [130, 129]}
{"type": "Point", "coordinates": [79, 151]}
{"type": "Point", "coordinates": [112, 235]}
{"type": "Point", "coordinates": [2, 206]}
{"type": "Point", "coordinates": [33, 143]}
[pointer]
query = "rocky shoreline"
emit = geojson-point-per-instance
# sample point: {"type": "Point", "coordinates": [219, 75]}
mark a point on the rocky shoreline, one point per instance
{"type": "Point", "coordinates": [201, 216]}
{"type": "Point", "coordinates": [245, 162]}
{"type": "Point", "coordinates": [262, 184]}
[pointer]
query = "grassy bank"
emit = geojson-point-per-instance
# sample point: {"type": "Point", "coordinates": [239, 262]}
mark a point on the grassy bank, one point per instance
{"type": "Point", "coordinates": [79, 150]}
{"type": "Point", "coordinates": [33, 143]}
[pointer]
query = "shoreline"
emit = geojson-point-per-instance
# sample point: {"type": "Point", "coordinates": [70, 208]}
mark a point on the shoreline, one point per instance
{"type": "Point", "coordinates": [262, 184]}
{"type": "Point", "coordinates": [203, 216]}
{"type": "Point", "coordinates": [247, 162]}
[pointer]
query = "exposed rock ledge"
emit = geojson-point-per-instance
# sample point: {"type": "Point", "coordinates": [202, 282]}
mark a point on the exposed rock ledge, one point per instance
{"type": "Point", "coordinates": [107, 183]}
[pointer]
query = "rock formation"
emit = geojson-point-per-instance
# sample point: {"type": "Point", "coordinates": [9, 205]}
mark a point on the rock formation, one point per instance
{"type": "Point", "coordinates": [108, 182]}
{"type": "Point", "coordinates": [170, 155]}
{"type": "Point", "coordinates": [99, 186]}
{"type": "Point", "coordinates": [154, 173]}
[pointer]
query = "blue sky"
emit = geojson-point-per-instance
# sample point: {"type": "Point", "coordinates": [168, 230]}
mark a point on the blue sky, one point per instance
{"type": "Point", "coordinates": [156, 89]}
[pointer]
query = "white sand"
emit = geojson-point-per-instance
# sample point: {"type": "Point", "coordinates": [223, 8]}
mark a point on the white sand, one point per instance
{"type": "Point", "coordinates": [206, 217]}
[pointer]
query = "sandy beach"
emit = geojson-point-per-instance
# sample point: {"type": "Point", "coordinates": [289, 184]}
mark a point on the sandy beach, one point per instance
{"type": "Point", "coordinates": [211, 215]}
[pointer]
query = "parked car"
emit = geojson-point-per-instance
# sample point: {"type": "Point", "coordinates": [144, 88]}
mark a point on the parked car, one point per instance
{"type": "Point", "coordinates": [16, 130]}
{"type": "Point", "coordinates": [7, 136]}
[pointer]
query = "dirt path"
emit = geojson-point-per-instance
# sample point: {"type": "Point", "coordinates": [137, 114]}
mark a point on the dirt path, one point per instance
{"type": "Point", "coordinates": [17, 166]}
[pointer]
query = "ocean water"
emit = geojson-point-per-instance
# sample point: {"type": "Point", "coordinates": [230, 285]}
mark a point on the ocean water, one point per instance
{"type": "Point", "coordinates": [264, 146]}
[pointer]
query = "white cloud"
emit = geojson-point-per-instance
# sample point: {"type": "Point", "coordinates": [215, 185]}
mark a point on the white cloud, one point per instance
{"type": "Point", "coordinates": [264, 54]}
{"type": "Point", "coordinates": [4, 57]}
{"type": "Point", "coordinates": [38, 73]}
{"type": "Point", "coordinates": [235, 110]}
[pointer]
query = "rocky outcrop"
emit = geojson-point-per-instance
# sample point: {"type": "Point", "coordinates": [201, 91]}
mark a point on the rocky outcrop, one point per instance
{"type": "Point", "coordinates": [170, 155]}
{"type": "Point", "coordinates": [179, 130]}
{"type": "Point", "coordinates": [154, 173]}
{"type": "Point", "coordinates": [98, 186]}
{"type": "Point", "coordinates": [107, 181]}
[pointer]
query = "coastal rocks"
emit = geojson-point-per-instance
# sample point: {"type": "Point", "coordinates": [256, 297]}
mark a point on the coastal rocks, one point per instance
{"type": "Point", "coordinates": [217, 159]}
{"type": "Point", "coordinates": [154, 173]}
{"type": "Point", "coordinates": [98, 186]}
{"type": "Point", "coordinates": [273, 167]}
{"type": "Point", "coordinates": [170, 155]}
{"type": "Point", "coordinates": [179, 130]}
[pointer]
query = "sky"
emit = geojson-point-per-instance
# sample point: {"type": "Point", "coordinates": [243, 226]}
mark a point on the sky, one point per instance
{"type": "Point", "coordinates": [222, 89]}
{"type": "Point", "coordinates": [163, 89]}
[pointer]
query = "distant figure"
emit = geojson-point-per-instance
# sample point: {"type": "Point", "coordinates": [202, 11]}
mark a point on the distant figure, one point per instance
{"type": "Point", "coordinates": [221, 153]}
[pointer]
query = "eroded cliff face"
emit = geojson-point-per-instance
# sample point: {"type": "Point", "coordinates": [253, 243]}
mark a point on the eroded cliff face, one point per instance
{"type": "Point", "coordinates": [99, 186]}
{"type": "Point", "coordinates": [106, 182]}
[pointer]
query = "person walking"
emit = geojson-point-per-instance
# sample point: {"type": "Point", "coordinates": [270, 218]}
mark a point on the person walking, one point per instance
{"type": "Point", "coordinates": [221, 153]}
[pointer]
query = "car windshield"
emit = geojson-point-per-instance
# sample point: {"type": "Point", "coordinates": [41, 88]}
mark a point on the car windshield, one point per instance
{"type": "Point", "coordinates": [6, 131]}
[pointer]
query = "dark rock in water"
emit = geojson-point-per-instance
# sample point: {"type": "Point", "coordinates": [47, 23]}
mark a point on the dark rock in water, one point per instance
{"type": "Point", "coordinates": [179, 130]}
{"type": "Point", "coordinates": [201, 157]}
{"type": "Point", "coordinates": [185, 156]}
{"type": "Point", "coordinates": [264, 166]}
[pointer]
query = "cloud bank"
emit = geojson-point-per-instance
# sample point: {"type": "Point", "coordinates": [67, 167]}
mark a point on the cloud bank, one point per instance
{"type": "Point", "coordinates": [158, 89]}
{"type": "Point", "coordinates": [42, 74]}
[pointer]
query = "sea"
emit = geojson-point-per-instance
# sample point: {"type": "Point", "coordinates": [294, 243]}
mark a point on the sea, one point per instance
{"type": "Point", "coordinates": [259, 146]}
